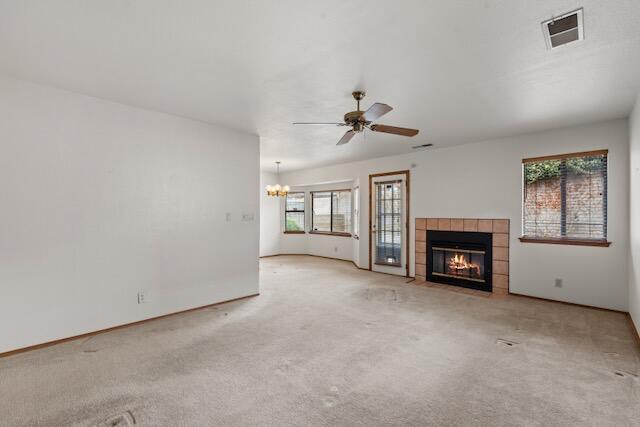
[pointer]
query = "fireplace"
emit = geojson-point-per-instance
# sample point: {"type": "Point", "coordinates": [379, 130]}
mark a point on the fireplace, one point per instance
{"type": "Point", "coordinates": [460, 258]}
{"type": "Point", "coordinates": [495, 247]}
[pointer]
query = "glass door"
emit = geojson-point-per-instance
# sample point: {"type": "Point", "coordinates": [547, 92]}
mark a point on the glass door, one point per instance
{"type": "Point", "coordinates": [388, 236]}
{"type": "Point", "coordinates": [388, 230]}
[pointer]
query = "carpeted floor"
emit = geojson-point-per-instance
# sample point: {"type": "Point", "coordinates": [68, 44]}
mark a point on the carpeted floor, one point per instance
{"type": "Point", "coordinates": [327, 344]}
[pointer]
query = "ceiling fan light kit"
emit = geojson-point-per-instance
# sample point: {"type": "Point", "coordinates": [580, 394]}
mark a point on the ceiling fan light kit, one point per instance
{"type": "Point", "coordinates": [360, 120]}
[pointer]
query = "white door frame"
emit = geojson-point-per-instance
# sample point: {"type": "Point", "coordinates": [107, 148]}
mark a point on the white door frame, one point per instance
{"type": "Point", "coordinates": [406, 174]}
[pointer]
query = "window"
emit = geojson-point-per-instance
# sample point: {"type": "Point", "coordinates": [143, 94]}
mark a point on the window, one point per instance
{"type": "Point", "coordinates": [321, 218]}
{"type": "Point", "coordinates": [294, 213]}
{"type": "Point", "coordinates": [565, 198]}
{"type": "Point", "coordinates": [331, 212]}
{"type": "Point", "coordinates": [341, 211]}
{"type": "Point", "coordinates": [356, 212]}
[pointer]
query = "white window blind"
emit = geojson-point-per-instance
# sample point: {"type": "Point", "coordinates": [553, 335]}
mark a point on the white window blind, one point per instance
{"type": "Point", "coordinates": [356, 211]}
{"type": "Point", "coordinates": [321, 214]}
{"type": "Point", "coordinates": [341, 211]}
{"type": "Point", "coordinates": [565, 196]}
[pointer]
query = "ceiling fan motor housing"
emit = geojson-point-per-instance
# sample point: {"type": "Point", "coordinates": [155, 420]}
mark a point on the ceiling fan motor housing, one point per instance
{"type": "Point", "coordinates": [356, 119]}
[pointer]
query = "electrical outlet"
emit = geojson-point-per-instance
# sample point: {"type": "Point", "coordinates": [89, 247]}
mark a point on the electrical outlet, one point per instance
{"type": "Point", "coordinates": [228, 216]}
{"type": "Point", "coordinates": [247, 217]}
{"type": "Point", "coordinates": [141, 297]}
{"type": "Point", "coordinates": [335, 249]}
{"type": "Point", "coordinates": [558, 283]}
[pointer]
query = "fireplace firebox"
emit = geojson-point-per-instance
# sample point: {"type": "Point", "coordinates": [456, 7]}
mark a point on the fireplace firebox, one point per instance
{"type": "Point", "coordinates": [460, 258]}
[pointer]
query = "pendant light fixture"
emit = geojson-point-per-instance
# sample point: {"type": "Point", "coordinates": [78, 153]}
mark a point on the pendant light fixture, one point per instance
{"type": "Point", "coordinates": [277, 190]}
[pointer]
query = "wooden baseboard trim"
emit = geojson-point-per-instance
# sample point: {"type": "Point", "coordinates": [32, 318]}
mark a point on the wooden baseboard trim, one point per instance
{"type": "Point", "coordinates": [358, 267]}
{"type": "Point", "coordinates": [634, 329]}
{"type": "Point", "coordinates": [569, 303]}
{"type": "Point", "coordinates": [114, 328]}
{"type": "Point", "coordinates": [339, 259]}
{"type": "Point", "coordinates": [316, 256]}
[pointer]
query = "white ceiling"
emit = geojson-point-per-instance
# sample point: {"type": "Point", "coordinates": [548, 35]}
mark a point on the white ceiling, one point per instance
{"type": "Point", "coordinates": [458, 70]}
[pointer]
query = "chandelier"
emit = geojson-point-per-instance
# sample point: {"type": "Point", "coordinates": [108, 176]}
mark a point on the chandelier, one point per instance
{"type": "Point", "coordinates": [277, 190]}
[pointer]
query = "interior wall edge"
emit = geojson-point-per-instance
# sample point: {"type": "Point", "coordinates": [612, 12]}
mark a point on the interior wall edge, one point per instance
{"type": "Point", "coordinates": [634, 215]}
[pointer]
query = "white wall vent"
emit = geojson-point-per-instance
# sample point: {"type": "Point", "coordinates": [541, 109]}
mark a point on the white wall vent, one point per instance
{"type": "Point", "coordinates": [563, 29]}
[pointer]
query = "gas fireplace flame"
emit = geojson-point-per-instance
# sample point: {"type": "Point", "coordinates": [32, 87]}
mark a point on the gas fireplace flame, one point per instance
{"type": "Point", "coordinates": [459, 262]}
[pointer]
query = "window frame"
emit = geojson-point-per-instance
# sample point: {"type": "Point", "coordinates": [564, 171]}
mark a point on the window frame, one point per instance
{"type": "Point", "coordinates": [303, 211]}
{"type": "Point", "coordinates": [331, 232]}
{"type": "Point", "coordinates": [355, 212]}
{"type": "Point", "coordinates": [563, 240]}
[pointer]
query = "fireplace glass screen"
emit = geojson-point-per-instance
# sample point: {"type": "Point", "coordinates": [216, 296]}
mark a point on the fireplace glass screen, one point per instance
{"type": "Point", "coordinates": [459, 263]}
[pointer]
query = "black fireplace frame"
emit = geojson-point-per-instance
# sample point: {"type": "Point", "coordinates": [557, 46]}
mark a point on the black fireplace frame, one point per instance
{"type": "Point", "coordinates": [462, 240]}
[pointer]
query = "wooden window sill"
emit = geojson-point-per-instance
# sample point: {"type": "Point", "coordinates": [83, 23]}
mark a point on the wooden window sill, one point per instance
{"type": "Point", "coordinates": [574, 242]}
{"type": "Point", "coordinates": [328, 233]}
{"type": "Point", "coordinates": [295, 232]}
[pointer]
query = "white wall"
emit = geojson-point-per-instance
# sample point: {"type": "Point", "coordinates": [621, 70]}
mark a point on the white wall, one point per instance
{"type": "Point", "coordinates": [269, 217]}
{"type": "Point", "coordinates": [100, 200]}
{"type": "Point", "coordinates": [634, 215]}
{"type": "Point", "coordinates": [490, 175]}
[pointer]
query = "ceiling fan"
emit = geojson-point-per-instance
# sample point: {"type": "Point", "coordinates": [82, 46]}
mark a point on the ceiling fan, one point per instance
{"type": "Point", "coordinates": [361, 120]}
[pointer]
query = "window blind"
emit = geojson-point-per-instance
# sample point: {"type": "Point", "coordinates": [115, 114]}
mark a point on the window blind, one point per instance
{"type": "Point", "coordinates": [356, 211]}
{"type": "Point", "coordinates": [565, 196]}
{"type": "Point", "coordinates": [321, 214]}
{"type": "Point", "coordinates": [331, 211]}
{"type": "Point", "coordinates": [294, 212]}
{"type": "Point", "coordinates": [341, 211]}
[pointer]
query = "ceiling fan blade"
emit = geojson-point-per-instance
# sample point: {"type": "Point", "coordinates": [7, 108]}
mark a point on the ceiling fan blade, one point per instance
{"type": "Point", "coordinates": [346, 137]}
{"type": "Point", "coordinates": [394, 130]}
{"type": "Point", "coordinates": [320, 123]}
{"type": "Point", "coordinates": [375, 111]}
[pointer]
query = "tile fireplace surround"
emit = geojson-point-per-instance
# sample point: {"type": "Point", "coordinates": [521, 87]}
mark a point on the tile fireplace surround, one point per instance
{"type": "Point", "coordinates": [498, 227]}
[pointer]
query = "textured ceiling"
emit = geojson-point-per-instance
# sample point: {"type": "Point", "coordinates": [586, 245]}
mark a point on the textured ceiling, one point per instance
{"type": "Point", "coordinates": [460, 71]}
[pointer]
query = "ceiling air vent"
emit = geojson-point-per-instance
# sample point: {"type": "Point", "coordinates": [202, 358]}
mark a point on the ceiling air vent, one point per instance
{"type": "Point", "coordinates": [563, 29]}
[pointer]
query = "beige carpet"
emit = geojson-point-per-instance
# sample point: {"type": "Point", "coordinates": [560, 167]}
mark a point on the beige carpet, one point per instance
{"type": "Point", "coordinates": [326, 344]}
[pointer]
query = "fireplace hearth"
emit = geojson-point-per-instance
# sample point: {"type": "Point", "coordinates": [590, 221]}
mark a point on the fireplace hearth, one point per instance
{"type": "Point", "coordinates": [460, 259]}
